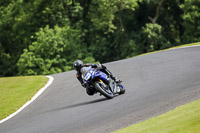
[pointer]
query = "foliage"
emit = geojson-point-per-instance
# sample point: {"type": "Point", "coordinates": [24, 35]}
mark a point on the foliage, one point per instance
{"type": "Point", "coordinates": [53, 51]}
{"type": "Point", "coordinates": [191, 20]}
{"type": "Point", "coordinates": [105, 12]}
{"type": "Point", "coordinates": [4, 64]}
{"type": "Point", "coordinates": [154, 38]}
{"type": "Point", "coordinates": [40, 37]}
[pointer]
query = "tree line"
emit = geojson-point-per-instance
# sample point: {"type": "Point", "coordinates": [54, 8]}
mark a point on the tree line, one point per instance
{"type": "Point", "coordinates": [46, 36]}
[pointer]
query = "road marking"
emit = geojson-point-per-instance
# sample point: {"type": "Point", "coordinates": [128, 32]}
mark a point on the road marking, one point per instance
{"type": "Point", "coordinates": [32, 99]}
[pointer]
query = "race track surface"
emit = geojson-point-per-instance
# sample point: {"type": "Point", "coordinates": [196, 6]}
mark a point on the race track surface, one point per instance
{"type": "Point", "coordinates": [155, 83]}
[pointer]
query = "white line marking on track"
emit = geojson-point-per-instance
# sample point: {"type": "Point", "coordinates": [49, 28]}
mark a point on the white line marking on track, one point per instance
{"type": "Point", "coordinates": [32, 99]}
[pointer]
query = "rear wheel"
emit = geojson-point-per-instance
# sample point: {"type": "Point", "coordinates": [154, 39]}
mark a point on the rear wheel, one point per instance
{"type": "Point", "coordinates": [104, 91]}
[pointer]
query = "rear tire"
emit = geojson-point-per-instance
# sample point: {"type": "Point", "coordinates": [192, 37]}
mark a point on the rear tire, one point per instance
{"type": "Point", "coordinates": [103, 91]}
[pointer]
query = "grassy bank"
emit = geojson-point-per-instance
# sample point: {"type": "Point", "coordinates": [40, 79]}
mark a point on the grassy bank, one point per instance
{"type": "Point", "coordinates": [185, 45]}
{"type": "Point", "coordinates": [16, 91]}
{"type": "Point", "coordinates": [183, 119]}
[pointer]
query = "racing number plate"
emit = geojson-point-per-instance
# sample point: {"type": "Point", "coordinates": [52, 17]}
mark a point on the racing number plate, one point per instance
{"type": "Point", "coordinates": [87, 76]}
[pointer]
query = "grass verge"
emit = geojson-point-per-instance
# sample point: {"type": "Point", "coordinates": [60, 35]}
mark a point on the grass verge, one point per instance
{"type": "Point", "coordinates": [185, 45]}
{"type": "Point", "coordinates": [16, 91]}
{"type": "Point", "coordinates": [183, 119]}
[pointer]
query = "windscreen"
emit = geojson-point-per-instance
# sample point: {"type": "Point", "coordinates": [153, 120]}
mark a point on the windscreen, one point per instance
{"type": "Point", "coordinates": [85, 69]}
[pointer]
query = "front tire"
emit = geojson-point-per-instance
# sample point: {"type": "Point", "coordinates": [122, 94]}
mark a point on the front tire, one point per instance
{"type": "Point", "coordinates": [122, 90]}
{"type": "Point", "coordinates": [106, 92]}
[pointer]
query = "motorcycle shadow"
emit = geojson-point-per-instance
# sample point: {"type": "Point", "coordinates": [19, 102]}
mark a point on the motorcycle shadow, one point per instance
{"type": "Point", "coordinates": [81, 104]}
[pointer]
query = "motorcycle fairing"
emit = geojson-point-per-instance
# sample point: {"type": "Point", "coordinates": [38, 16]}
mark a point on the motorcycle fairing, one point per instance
{"type": "Point", "coordinates": [101, 75]}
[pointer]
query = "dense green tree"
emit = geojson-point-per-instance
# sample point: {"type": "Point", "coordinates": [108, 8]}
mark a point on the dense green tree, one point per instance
{"type": "Point", "coordinates": [191, 19]}
{"type": "Point", "coordinates": [107, 22]}
{"type": "Point", "coordinates": [43, 37]}
{"type": "Point", "coordinates": [53, 51]}
{"type": "Point", "coordinates": [20, 20]}
{"type": "Point", "coordinates": [154, 39]}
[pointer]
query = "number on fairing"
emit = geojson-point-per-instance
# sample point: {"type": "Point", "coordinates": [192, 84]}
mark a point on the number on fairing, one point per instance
{"type": "Point", "coordinates": [87, 76]}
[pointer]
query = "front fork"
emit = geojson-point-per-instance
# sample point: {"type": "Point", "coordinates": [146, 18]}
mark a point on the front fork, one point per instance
{"type": "Point", "coordinates": [102, 83]}
{"type": "Point", "coordinates": [112, 86]}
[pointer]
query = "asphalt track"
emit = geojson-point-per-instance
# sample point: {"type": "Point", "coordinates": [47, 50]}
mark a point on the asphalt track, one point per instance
{"type": "Point", "coordinates": [155, 83]}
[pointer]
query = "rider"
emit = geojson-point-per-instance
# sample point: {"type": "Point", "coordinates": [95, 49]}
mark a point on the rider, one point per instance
{"type": "Point", "coordinates": [79, 64]}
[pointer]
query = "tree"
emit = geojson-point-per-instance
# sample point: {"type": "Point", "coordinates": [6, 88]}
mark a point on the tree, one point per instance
{"type": "Point", "coordinates": [53, 51]}
{"type": "Point", "coordinates": [191, 19]}
{"type": "Point", "coordinates": [20, 20]}
{"type": "Point", "coordinates": [104, 12]}
{"type": "Point", "coordinates": [157, 14]}
{"type": "Point", "coordinates": [154, 39]}
{"type": "Point", "coordinates": [107, 30]}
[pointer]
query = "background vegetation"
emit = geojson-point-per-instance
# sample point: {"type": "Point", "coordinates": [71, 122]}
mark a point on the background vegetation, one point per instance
{"type": "Point", "coordinates": [46, 36]}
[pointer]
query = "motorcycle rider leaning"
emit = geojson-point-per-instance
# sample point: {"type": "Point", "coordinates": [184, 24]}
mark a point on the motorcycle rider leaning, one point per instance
{"type": "Point", "coordinates": [79, 64]}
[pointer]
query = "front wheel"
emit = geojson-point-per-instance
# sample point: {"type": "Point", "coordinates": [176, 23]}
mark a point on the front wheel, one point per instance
{"type": "Point", "coordinates": [122, 90]}
{"type": "Point", "coordinates": [104, 91]}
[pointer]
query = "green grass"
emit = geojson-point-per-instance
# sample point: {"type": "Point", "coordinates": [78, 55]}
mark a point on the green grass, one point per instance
{"type": "Point", "coordinates": [16, 91]}
{"type": "Point", "coordinates": [185, 45]}
{"type": "Point", "coordinates": [183, 119]}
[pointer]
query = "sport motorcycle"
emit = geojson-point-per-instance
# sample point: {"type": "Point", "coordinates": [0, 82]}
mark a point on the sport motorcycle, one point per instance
{"type": "Point", "coordinates": [101, 82]}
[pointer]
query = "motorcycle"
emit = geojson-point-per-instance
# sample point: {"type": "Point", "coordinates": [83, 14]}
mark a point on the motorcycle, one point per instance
{"type": "Point", "coordinates": [101, 82]}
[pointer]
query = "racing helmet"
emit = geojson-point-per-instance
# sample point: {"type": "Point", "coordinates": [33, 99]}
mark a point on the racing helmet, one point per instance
{"type": "Point", "coordinates": [77, 65]}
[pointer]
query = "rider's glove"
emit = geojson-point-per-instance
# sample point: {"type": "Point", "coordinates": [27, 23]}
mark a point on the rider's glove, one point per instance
{"type": "Point", "coordinates": [99, 66]}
